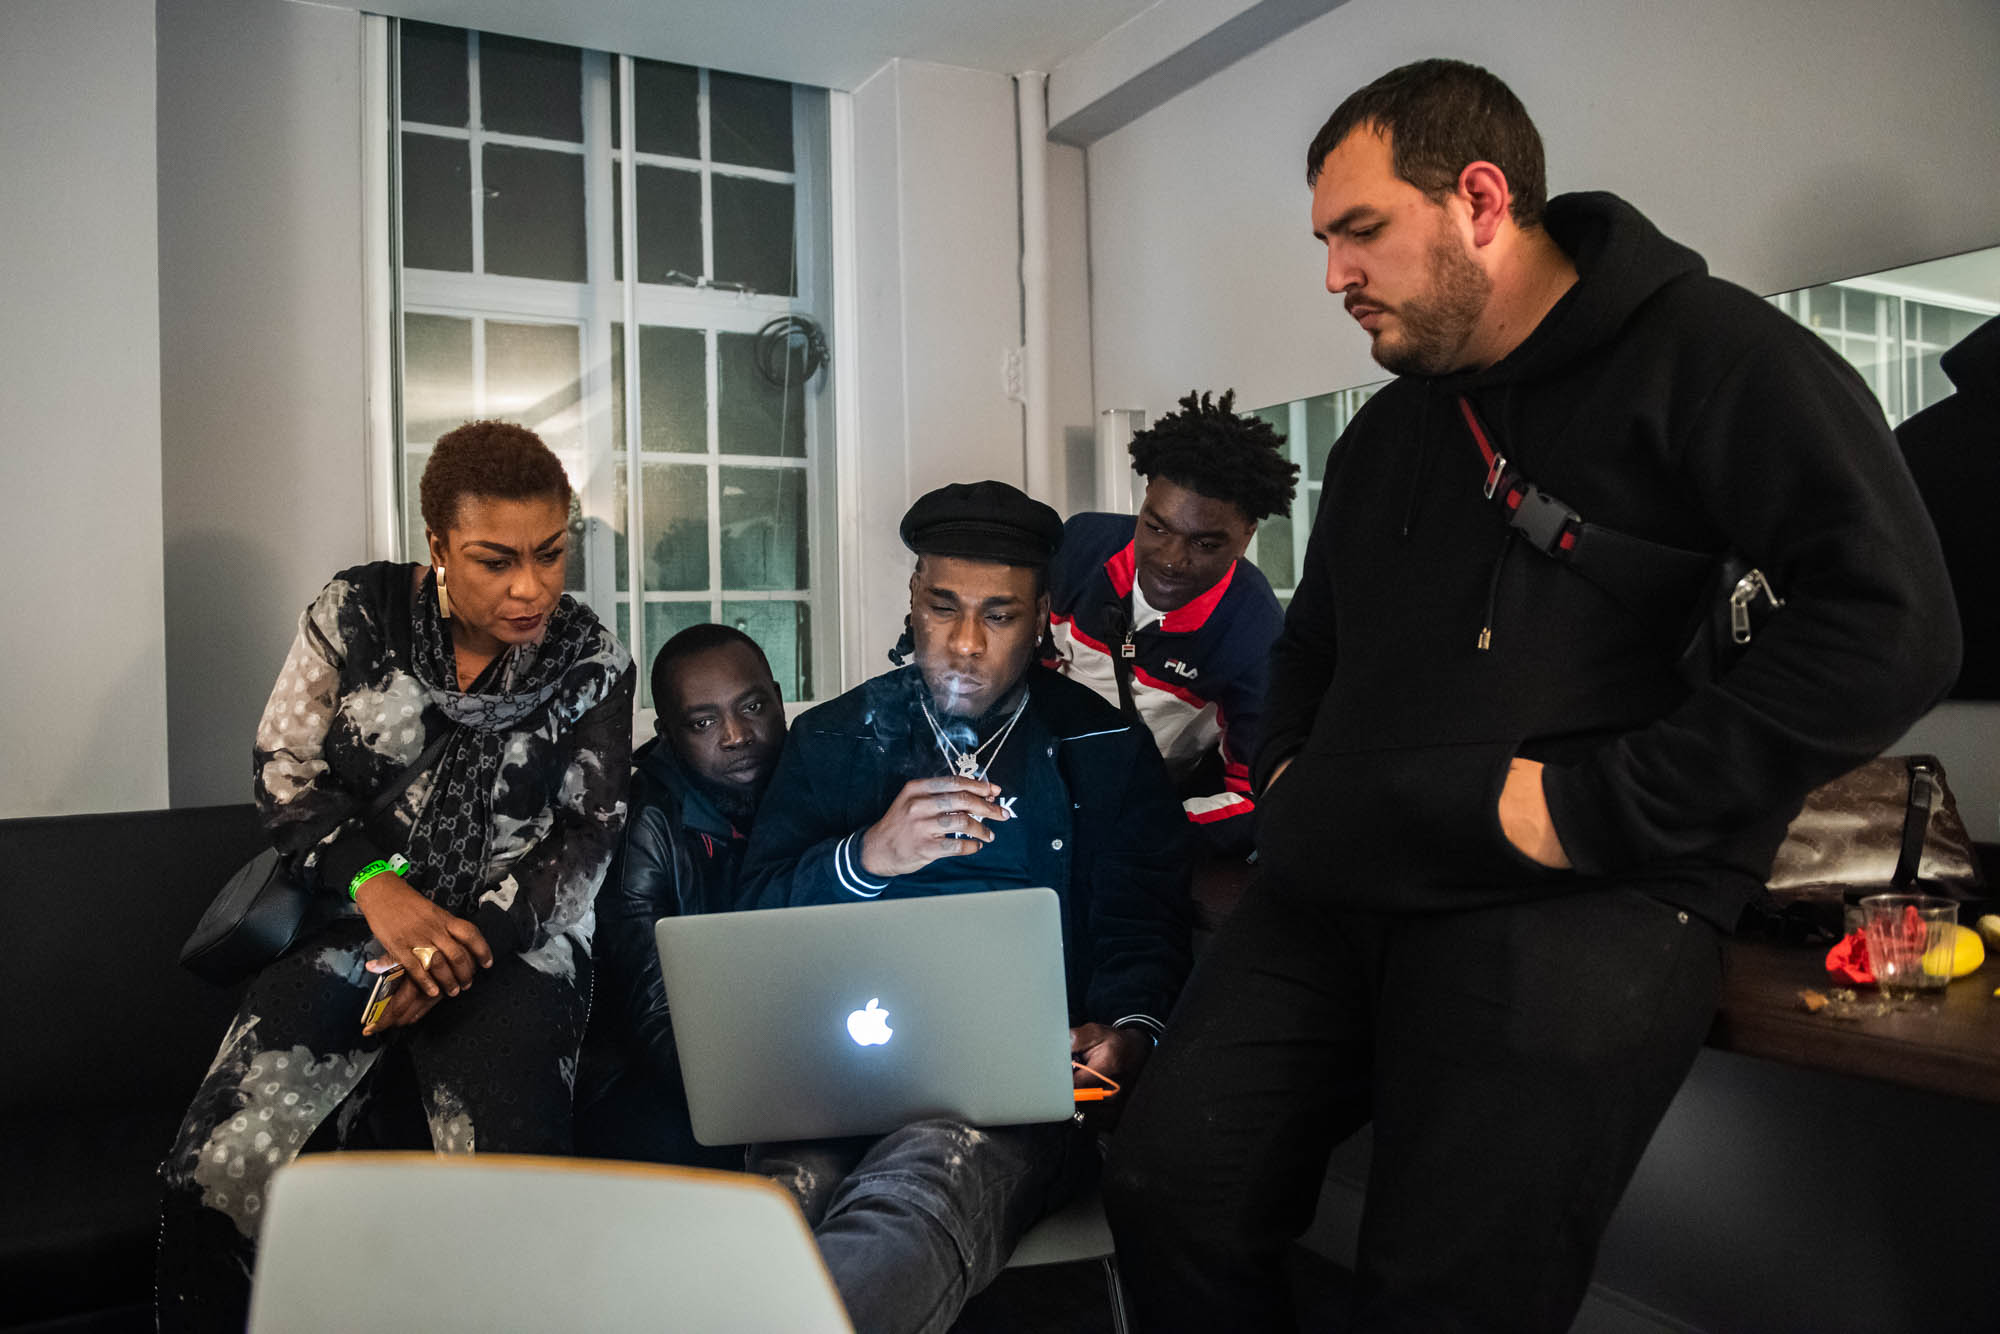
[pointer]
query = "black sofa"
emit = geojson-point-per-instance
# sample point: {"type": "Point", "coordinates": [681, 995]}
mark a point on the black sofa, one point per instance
{"type": "Point", "coordinates": [106, 1039]}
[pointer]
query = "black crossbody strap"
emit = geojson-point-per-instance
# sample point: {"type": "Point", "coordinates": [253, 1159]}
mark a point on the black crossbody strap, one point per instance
{"type": "Point", "coordinates": [1121, 660]}
{"type": "Point", "coordinates": [1634, 571]}
{"type": "Point", "coordinates": [387, 796]}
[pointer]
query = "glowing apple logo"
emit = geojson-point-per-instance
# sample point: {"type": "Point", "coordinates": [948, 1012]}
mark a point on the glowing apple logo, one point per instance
{"type": "Point", "coordinates": [870, 1027]}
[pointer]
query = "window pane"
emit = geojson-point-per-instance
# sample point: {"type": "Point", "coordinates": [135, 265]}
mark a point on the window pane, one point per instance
{"type": "Point", "coordinates": [1861, 312]}
{"type": "Point", "coordinates": [663, 111]}
{"type": "Point", "coordinates": [433, 78]}
{"type": "Point", "coordinates": [620, 503]}
{"type": "Point", "coordinates": [414, 546]}
{"type": "Point", "coordinates": [437, 203]}
{"type": "Point", "coordinates": [673, 406]}
{"type": "Point", "coordinates": [618, 391]}
{"type": "Point", "coordinates": [756, 416]}
{"type": "Point", "coordinates": [673, 390]}
{"type": "Point", "coordinates": [1961, 324]}
{"type": "Point", "coordinates": [534, 213]}
{"type": "Point", "coordinates": [530, 88]}
{"type": "Point", "coordinates": [1326, 418]}
{"type": "Point", "coordinates": [784, 631]}
{"type": "Point", "coordinates": [1823, 308]}
{"type": "Point", "coordinates": [753, 234]}
{"type": "Point", "coordinates": [669, 226]}
{"type": "Point", "coordinates": [664, 620]}
{"type": "Point", "coordinates": [750, 121]}
{"type": "Point", "coordinates": [437, 376]}
{"type": "Point", "coordinates": [764, 528]}
{"type": "Point", "coordinates": [534, 377]}
{"type": "Point", "coordinates": [1933, 385]}
{"type": "Point", "coordinates": [674, 517]}
{"type": "Point", "coordinates": [1274, 550]}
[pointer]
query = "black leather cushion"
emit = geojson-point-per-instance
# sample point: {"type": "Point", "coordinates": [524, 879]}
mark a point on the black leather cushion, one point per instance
{"type": "Point", "coordinates": [107, 1038]}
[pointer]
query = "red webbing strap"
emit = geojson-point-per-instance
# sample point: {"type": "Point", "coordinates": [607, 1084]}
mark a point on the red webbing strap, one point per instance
{"type": "Point", "coordinates": [1504, 486]}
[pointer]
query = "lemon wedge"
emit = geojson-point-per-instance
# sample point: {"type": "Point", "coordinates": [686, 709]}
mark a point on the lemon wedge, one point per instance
{"type": "Point", "coordinates": [1956, 956]}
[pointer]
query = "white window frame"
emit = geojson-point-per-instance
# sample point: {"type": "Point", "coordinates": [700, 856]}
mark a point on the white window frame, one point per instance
{"type": "Point", "coordinates": [823, 279]}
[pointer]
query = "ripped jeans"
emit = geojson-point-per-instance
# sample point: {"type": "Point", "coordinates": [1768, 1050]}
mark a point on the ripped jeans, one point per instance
{"type": "Point", "coordinates": [494, 1066]}
{"type": "Point", "coordinates": [915, 1222]}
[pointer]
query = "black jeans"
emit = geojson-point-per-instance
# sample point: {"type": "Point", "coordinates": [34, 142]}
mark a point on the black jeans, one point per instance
{"type": "Point", "coordinates": [1513, 1060]}
{"type": "Point", "coordinates": [493, 1064]}
{"type": "Point", "coordinates": [913, 1223]}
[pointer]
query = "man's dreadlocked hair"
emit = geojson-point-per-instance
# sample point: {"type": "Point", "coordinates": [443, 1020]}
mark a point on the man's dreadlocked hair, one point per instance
{"type": "Point", "coordinates": [1207, 448]}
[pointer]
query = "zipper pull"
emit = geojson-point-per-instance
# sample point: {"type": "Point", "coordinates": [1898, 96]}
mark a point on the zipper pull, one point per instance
{"type": "Point", "coordinates": [1125, 650]}
{"type": "Point", "coordinates": [1747, 590]}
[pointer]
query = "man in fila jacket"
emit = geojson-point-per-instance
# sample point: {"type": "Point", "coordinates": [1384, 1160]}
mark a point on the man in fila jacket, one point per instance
{"type": "Point", "coordinates": [1165, 618]}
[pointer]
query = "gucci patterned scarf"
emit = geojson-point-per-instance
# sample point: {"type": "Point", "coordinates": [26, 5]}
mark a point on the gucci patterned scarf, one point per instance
{"type": "Point", "coordinates": [448, 844]}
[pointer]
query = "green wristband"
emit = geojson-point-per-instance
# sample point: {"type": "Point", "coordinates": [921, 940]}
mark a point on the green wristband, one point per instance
{"type": "Point", "coordinates": [398, 864]}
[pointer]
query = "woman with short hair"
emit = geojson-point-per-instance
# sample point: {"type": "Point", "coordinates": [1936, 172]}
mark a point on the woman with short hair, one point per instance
{"type": "Point", "coordinates": [477, 879]}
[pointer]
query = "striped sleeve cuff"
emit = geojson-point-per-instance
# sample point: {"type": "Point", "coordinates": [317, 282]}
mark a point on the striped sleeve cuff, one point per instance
{"type": "Point", "coordinates": [1152, 1027]}
{"type": "Point", "coordinates": [847, 866]}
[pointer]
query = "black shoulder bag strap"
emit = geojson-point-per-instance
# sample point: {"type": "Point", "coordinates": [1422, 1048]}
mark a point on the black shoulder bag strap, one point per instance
{"type": "Point", "coordinates": [386, 798]}
{"type": "Point", "coordinates": [1638, 574]}
{"type": "Point", "coordinates": [1122, 653]}
{"type": "Point", "coordinates": [1916, 821]}
{"type": "Point", "coordinates": [1633, 570]}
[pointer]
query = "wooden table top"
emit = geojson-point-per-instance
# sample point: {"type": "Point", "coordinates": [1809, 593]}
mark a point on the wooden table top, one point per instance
{"type": "Point", "coordinates": [1950, 1044]}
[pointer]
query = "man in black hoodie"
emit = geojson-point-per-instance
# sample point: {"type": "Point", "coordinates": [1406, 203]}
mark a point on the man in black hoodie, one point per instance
{"type": "Point", "coordinates": [1501, 836]}
{"type": "Point", "coordinates": [695, 791]}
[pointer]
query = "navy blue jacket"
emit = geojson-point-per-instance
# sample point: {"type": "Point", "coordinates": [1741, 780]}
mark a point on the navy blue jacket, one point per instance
{"type": "Point", "coordinates": [1105, 831]}
{"type": "Point", "coordinates": [1198, 673]}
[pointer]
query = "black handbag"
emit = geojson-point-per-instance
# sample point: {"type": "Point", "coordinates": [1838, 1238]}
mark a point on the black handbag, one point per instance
{"type": "Point", "coordinates": [267, 905]}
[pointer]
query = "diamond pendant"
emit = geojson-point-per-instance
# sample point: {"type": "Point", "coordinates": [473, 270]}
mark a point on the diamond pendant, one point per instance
{"type": "Point", "coordinates": [967, 766]}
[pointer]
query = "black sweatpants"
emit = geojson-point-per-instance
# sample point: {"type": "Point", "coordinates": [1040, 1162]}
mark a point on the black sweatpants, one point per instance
{"type": "Point", "coordinates": [494, 1065]}
{"type": "Point", "coordinates": [1513, 1060]}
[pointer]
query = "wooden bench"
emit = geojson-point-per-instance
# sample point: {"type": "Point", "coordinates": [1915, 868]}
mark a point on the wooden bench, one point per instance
{"type": "Point", "coordinates": [1948, 1044]}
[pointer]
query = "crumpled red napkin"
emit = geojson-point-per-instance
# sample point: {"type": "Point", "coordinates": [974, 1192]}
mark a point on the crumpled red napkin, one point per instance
{"type": "Point", "coordinates": [1848, 961]}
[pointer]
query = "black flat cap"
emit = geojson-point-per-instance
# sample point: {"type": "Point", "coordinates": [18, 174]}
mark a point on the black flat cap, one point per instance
{"type": "Point", "coordinates": [983, 521]}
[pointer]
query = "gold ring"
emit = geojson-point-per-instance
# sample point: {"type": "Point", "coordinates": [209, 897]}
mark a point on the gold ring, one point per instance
{"type": "Point", "coordinates": [424, 953]}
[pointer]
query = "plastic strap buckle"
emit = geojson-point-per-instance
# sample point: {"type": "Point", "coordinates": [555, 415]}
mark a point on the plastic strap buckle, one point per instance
{"type": "Point", "coordinates": [1544, 520]}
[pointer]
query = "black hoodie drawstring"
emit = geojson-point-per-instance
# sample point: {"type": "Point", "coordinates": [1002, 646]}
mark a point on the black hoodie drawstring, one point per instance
{"type": "Point", "coordinates": [1493, 590]}
{"type": "Point", "coordinates": [1506, 549]}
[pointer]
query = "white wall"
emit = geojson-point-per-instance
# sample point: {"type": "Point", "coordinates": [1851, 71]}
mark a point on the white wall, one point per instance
{"type": "Point", "coordinates": [262, 408]}
{"type": "Point", "coordinates": [83, 723]}
{"type": "Point", "coordinates": [938, 235]}
{"type": "Point", "coordinates": [1791, 141]}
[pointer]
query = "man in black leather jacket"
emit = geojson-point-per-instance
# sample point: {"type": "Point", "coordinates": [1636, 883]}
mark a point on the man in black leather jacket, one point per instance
{"type": "Point", "coordinates": [695, 791]}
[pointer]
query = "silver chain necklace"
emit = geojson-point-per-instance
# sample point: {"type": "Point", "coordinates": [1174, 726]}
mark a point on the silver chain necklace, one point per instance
{"type": "Point", "coordinates": [966, 763]}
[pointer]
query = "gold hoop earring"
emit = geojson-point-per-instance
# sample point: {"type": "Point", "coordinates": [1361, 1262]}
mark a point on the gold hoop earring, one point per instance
{"type": "Point", "coordinates": [444, 596]}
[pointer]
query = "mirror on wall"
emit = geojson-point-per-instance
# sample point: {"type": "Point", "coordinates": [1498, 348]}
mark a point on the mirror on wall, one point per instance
{"type": "Point", "coordinates": [1895, 327]}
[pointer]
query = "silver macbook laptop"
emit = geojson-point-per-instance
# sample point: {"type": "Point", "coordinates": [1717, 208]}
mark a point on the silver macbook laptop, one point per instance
{"type": "Point", "coordinates": [858, 1018]}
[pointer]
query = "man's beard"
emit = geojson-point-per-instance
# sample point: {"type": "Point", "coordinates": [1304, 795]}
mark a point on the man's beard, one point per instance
{"type": "Point", "coordinates": [1434, 326]}
{"type": "Point", "coordinates": [736, 802]}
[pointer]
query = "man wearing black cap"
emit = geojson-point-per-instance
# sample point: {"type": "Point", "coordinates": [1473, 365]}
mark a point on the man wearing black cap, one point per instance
{"type": "Point", "coordinates": [974, 769]}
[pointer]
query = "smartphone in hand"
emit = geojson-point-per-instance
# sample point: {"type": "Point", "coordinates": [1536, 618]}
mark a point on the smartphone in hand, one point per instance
{"type": "Point", "coordinates": [378, 998]}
